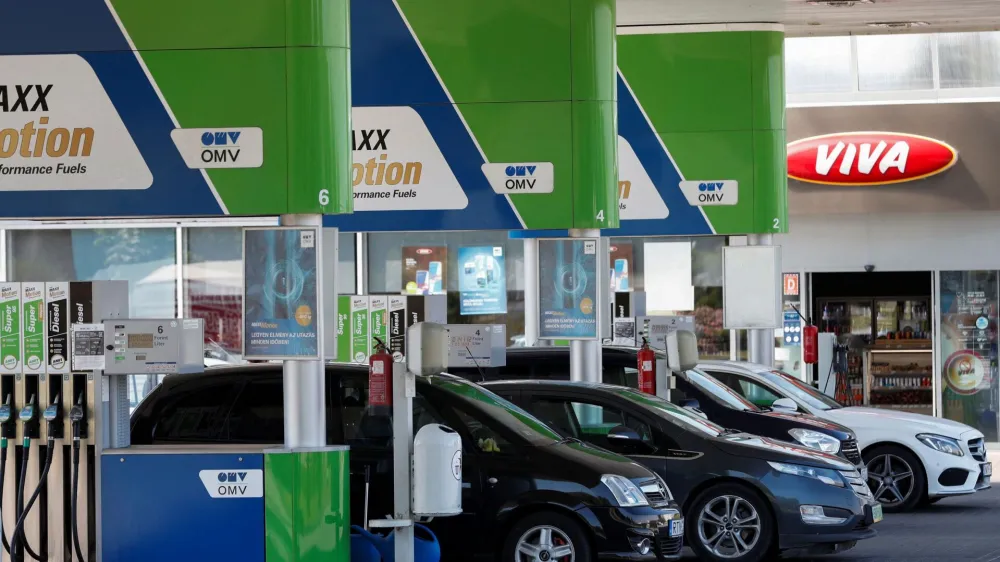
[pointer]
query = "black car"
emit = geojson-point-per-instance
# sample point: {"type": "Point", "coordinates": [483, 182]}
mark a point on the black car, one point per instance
{"type": "Point", "coordinates": [746, 498]}
{"type": "Point", "coordinates": [693, 389]}
{"type": "Point", "coordinates": [529, 493]}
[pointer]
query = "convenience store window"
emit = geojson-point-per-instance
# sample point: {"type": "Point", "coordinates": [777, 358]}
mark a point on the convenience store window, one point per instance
{"type": "Point", "coordinates": [443, 261]}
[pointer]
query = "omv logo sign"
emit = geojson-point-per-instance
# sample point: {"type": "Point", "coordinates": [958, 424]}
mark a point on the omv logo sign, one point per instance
{"type": "Point", "coordinates": [240, 483]}
{"type": "Point", "coordinates": [708, 193]}
{"type": "Point", "coordinates": [220, 148]}
{"type": "Point", "coordinates": [518, 178]}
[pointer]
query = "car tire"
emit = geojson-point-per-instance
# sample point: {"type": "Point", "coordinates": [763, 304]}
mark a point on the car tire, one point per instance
{"type": "Point", "coordinates": [903, 476]}
{"type": "Point", "coordinates": [738, 502]}
{"type": "Point", "coordinates": [531, 532]}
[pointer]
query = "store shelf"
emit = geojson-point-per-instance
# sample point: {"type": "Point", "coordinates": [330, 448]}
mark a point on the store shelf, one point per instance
{"type": "Point", "coordinates": [901, 388]}
{"type": "Point", "coordinates": [903, 374]}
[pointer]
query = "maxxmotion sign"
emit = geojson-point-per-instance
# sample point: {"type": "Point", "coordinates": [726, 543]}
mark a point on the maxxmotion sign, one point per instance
{"type": "Point", "coordinates": [517, 178]}
{"type": "Point", "coordinates": [59, 130]}
{"type": "Point", "coordinates": [220, 148]}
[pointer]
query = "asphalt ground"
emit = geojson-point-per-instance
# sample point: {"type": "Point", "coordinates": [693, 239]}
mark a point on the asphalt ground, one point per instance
{"type": "Point", "coordinates": [963, 528]}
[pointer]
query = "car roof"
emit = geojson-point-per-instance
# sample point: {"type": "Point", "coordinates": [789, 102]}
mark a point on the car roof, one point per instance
{"type": "Point", "coordinates": [552, 383]}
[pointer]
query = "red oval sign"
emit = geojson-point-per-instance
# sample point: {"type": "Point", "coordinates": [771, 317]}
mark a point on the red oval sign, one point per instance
{"type": "Point", "coordinates": [869, 158]}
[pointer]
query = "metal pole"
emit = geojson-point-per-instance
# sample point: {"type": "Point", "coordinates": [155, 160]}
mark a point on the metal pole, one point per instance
{"type": "Point", "coordinates": [760, 341]}
{"type": "Point", "coordinates": [531, 301]}
{"type": "Point", "coordinates": [585, 355]}
{"type": "Point", "coordinates": [304, 381]}
{"type": "Point", "coordinates": [402, 463]}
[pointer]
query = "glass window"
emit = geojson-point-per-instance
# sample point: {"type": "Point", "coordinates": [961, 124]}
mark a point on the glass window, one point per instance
{"type": "Point", "coordinates": [894, 62]}
{"type": "Point", "coordinates": [756, 394]}
{"type": "Point", "coordinates": [196, 415]}
{"type": "Point", "coordinates": [386, 271]}
{"type": "Point", "coordinates": [818, 65]}
{"type": "Point", "coordinates": [671, 412]}
{"type": "Point", "coordinates": [597, 421]}
{"type": "Point", "coordinates": [713, 387]}
{"type": "Point", "coordinates": [799, 391]}
{"type": "Point", "coordinates": [486, 439]}
{"type": "Point", "coordinates": [969, 60]}
{"type": "Point", "coordinates": [363, 426]}
{"type": "Point", "coordinates": [969, 361]}
{"type": "Point", "coordinates": [213, 288]}
{"type": "Point", "coordinates": [258, 414]}
{"type": "Point", "coordinates": [145, 257]}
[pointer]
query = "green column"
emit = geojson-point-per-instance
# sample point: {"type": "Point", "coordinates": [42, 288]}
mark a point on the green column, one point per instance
{"type": "Point", "coordinates": [307, 505]}
{"type": "Point", "coordinates": [535, 82]}
{"type": "Point", "coordinates": [280, 65]}
{"type": "Point", "coordinates": [716, 99]}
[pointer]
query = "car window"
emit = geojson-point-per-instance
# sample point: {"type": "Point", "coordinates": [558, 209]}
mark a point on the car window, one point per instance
{"type": "Point", "coordinates": [485, 437]}
{"type": "Point", "coordinates": [799, 391]}
{"type": "Point", "coordinates": [718, 390]}
{"type": "Point", "coordinates": [615, 374]}
{"type": "Point", "coordinates": [588, 421]}
{"type": "Point", "coordinates": [364, 426]}
{"type": "Point", "coordinates": [558, 414]}
{"type": "Point", "coordinates": [196, 414]}
{"type": "Point", "coordinates": [257, 415]}
{"type": "Point", "coordinates": [668, 411]}
{"type": "Point", "coordinates": [631, 377]}
{"type": "Point", "coordinates": [755, 393]}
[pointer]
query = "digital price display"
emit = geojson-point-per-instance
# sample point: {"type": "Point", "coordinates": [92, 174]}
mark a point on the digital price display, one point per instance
{"type": "Point", "coordinates": [140, 341]}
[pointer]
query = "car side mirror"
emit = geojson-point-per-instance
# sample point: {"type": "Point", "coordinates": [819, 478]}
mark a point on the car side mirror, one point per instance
{"type": "Point", "coordinates": [622, 434]}
{"type": "Point", "coordinates": [690, 403]}
{"type": "Point", "coordinates": [785, 405]}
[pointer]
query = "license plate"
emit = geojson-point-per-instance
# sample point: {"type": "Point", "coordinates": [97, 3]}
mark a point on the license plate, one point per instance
{"type": "Point", "coordinates": [676, 527]}
{"type": "Point", "coordinates": [987, 469]}
{"type": "Point", "coordinates": [877, 512]}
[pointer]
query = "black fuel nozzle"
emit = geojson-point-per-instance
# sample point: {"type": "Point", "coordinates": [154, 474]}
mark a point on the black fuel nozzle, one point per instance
{"type": "Point", "coordinates": [76, 415]}
{"type": "Point", "coordinates": [53, 419]}
{"type": "Point", "coordinates": [29, 417]}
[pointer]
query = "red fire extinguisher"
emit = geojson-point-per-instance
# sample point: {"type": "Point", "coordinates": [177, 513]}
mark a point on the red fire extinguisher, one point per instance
{"type": "Point", "coordinates": [380, 376]}
{"type": "Point", "coordinates": [647, 368]}
{"type": "Point", "coordinates": [810, 345]}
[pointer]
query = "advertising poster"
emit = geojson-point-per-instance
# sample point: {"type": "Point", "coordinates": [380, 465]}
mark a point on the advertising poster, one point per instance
{"type": "Point", "coordinates": [33, 326]}
{"type": "Point", "coordinates": [621, 267]}
{"type": "Point", "coordinates": [10, 327]}
{"type": "Point", "coordinates": [281, 293]}
{"type": "Point", "coordinates": [482, 280]}
{"type": "Point", "coordinates": [424, 270]}
{"type": "Point", "coordinates": [969, 348]}
{"type": "Point", "coordinates": [567, 288]}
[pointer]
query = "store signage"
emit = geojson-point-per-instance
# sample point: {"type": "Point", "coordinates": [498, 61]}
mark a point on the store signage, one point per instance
{"type": "Point", "coordinates": [868, 158]}
{"type": "Point", "coordinates": [220, 148]}
{"type": "Point", "coordinates": [716, 192]}
{"type": "Point", "coordinates": [519, 178]}
{"type": "Point", "coordinates": [791, 284]}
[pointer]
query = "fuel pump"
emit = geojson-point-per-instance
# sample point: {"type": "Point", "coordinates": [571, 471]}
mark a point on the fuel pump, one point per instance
{"type": "Point", "coordinates": [647, 367]}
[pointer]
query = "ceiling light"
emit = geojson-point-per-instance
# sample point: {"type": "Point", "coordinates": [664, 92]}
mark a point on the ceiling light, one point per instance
{"type": "Point", "coordinates": [839, 3]}
{"type": "Point", "coordinates": [898, 24]}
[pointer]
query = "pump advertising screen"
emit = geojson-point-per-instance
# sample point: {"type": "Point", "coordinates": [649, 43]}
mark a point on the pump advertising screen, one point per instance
{"type": "Point", "coordinates": [567, 288]}
{"type": "Point", "coordinates": [482, 280]}
{"type": "Point", "coordinates": [281, 293]}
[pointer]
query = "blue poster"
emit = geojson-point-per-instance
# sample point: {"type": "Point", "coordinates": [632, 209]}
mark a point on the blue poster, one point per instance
{"type": "Point", "coordinates": [567, 288]}
{"type": "Point", "coordinates": [482, 280]}
{"type": "Point", "coordinates": [280, 293]}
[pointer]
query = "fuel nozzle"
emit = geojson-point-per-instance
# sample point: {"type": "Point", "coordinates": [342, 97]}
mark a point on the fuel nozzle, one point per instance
{"type": "Point", "coordinates": [29, 417]}
{"type": "Point", "coordinates": [53, 419]}
{"type": "Point", "coordinates": [76, 415]}
{"type": "Point", "coordinates": [7, 429]}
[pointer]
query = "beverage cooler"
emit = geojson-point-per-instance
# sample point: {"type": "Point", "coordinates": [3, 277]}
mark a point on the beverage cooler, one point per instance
{"type": "Point", "coordinates": [890, 352]}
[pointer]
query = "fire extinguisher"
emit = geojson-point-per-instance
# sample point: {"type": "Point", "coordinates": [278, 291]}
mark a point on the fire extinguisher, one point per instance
{"type": "Point", "coordinates": [647, 368]}
{"type": "Point", "coordinates": [810, 345]}
{"type": "Point", "coordinates": [380, 376]}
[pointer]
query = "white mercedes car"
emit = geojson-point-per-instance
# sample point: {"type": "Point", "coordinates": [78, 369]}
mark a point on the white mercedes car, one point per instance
{"type": "Point", "coordinates": [912, 459]}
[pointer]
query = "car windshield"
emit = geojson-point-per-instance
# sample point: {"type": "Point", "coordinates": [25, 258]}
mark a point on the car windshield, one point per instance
{"type": "Point", "coordinates": [671, 412]}
{"type": "Point", "coordinates": [800, 391]}
{"type": "Point", "coordinates": [720, 391]}
{"type": "Point", "coordinates": [505, 413]}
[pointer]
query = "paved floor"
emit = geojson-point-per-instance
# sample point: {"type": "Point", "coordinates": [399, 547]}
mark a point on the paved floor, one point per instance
{"type": "Point", "coordinates": [966, 528]}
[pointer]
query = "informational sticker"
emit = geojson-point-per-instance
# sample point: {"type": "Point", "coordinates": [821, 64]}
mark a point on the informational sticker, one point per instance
{"type": "Point", "coordinates": [476, 345]}
{"type": "Point", "coordinates": [88, 347]}
{"type": "Point", "coordinates": [456, 465]}
{"type": "Point", "coordinates": [57, 332]}
{"type": "Point", "coordinates": [234, 483]}
{"type": "Point", "coordinates": [220, 148]}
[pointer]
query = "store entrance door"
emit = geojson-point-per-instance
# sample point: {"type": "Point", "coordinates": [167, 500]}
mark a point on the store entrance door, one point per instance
{"type": "Point", "coordinates": [885, 320]}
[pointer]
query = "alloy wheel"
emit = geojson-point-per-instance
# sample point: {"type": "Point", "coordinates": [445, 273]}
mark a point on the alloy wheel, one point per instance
{"type": "Point", "coordinates": [544, 544]}
{"type": "Point", "coordinates": [729, 526]}
{"type": "Point", "coordinates": [891, 479]}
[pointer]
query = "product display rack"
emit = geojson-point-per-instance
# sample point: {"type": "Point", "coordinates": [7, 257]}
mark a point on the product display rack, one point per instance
{"type": "Point", "coordinates": [900, 376]}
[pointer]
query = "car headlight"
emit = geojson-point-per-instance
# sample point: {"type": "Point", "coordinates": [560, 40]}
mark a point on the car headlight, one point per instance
{"type": "Point", "coordinates": [824, 475]}
{"type": "Point", "coordinates": [816, 440]}
{"type": "Point", "coordinates": [626, 493]}
{"type": "Point", "coordinates": [941, 444]}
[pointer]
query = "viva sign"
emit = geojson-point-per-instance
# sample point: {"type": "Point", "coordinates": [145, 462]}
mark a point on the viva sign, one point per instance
{"type": "Point", "coordinates": [872, 158]}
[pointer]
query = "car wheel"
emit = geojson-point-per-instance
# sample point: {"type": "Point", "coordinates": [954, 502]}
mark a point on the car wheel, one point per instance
{"type": "Point", "coordinates": [546, 536]}
{"type": "Point", "coordinates": [730, 522]}
{"type": "Point", "coordinates": [896, 478]}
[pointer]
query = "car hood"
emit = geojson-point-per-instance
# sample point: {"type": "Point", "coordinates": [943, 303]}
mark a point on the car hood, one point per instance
{"type": "Point", "coordinates": [859, 418]}
{"type": "Point", "coordinates": [588, 458]}
{"type": "Point", "coordinates": [827, 426]}
{"type": "Point", "coordinates": [764, 448]}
